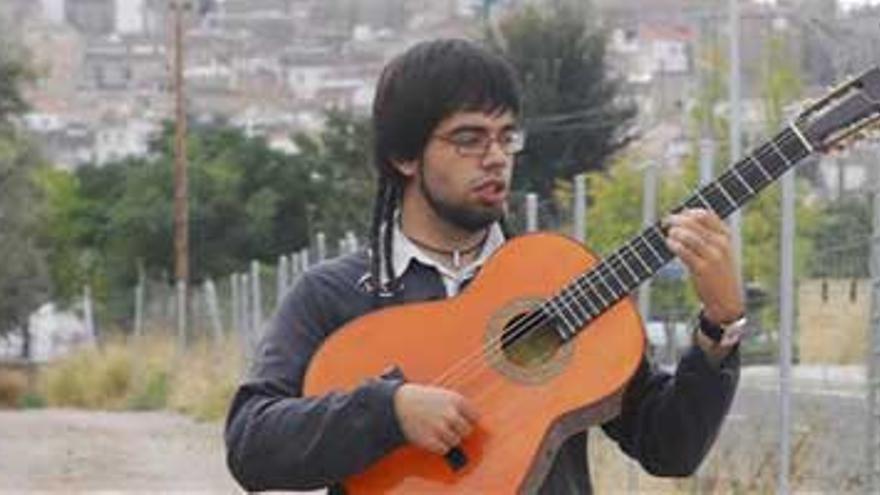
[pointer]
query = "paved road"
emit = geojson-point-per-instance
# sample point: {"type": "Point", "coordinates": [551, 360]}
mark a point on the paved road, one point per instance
{"type": "Point", "coordinates": [70, 451]}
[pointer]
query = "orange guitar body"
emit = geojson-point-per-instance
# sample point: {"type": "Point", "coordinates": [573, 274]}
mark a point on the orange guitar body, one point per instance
{"type": "Point", "coordinates": [527, 406]}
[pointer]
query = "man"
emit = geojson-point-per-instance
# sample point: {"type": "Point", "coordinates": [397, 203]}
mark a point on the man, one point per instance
{"type": "Point", "coordinates": [446, 132]}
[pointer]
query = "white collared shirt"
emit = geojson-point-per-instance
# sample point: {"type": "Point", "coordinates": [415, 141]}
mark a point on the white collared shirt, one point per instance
{"type": "Point", "coordinates": [405, 251]}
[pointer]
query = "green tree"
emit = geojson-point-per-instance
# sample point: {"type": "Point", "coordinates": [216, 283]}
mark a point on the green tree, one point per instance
{"type": "Point", "coordinates": [339, 163]}
{"type": "Point", "coordinates": [247, 202]}
{"type": "Point", "coordinates": [24, 280]}
{"type": "Point", "coordinates": [572, 108]}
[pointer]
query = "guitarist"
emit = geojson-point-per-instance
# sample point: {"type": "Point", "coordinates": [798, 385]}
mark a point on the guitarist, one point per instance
{"type": "Point", "coordinates": [446, 127]}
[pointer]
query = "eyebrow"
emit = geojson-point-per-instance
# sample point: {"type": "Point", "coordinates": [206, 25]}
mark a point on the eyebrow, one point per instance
{"type": "Point", "coordinates": [481, 128]}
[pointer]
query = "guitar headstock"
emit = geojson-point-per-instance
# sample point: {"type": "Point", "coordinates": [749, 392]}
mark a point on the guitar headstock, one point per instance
{"type": "Point", "coordinates": [845, 114]}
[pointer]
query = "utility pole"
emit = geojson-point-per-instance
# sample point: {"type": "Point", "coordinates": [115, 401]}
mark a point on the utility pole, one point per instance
{"type": "Point", "coordinates": [181, 206]}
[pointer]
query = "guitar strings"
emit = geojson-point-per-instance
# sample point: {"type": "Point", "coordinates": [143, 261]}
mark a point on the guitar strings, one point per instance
{"type": "Point", "coordinates": [530, 324]}
{"type": "Point", "coordinates": [464, 368]}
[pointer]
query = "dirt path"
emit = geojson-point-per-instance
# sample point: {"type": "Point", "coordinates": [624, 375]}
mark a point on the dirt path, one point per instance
{"type": "Point", "coordinates": [78, 451]}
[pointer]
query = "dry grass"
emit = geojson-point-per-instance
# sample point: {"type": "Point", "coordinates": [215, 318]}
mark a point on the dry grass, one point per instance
{"type": "Point", "coordinates": [146, 373]}
{"type": "Point", "coordinates": [738, 463]}
{"type": "Point", "coordinates": [205, 381]}
{"type": "Point", "coordinates": [13, 387]}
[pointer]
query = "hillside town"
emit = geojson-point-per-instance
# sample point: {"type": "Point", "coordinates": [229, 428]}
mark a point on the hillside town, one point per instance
{"type": "Point", "coordinates": [271, 67]}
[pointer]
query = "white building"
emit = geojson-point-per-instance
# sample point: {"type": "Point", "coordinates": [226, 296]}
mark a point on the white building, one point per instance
{"type": "Point", "coordinates": [120, 139]}
{"type": "Point", "coordinates": [130, 16]}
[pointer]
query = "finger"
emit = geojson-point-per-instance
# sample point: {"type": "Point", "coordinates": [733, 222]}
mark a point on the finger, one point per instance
{"type": "Point", "coordinates": [448, 437]}
{"type": "Point", "coordinates": [466, 409]}
{"type": "Point", "coordinates": [436, 446]}
{"type": "Point", "coordinates": [690, 258]}
{"type": "Point", "coordinates": [461, 426]}
{"type": "Point", "coordinates": [689, 239]}
{"type": "Point", "coordinates": [709, 220]}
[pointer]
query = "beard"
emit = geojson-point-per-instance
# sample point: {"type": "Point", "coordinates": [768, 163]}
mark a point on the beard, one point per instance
{"type": "Point", "coordinates": [469, 219]}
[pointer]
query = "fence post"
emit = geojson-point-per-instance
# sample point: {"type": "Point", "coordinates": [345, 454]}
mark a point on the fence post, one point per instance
{"type": "Point", "coordinates": [139, 301]}
{"type": "Point", "coordinates": [321, 246]}
{"type": "Point", "coordinates": [341, 246]}
{"type": "Point", "coordinates": [213, 309]}
{"type": "Point", "coordinates": [244, 307]}
{"type": "Point", "coordinates": [580, 208]}
{"type": "Point", "coordinates": [281, 279]}
{"type": "Point", "coordinates": [235, 324]}
{"type": "Point", "coordinates": [304, 257]}
{"type": "Point", "coordinates": [531, 212]}
{"type": "Point", "coordinates": [256, 301]}
{"type": "Point", "coordinates": [352, 241]}
{"type": "Point", "coordinates": [88, 314]}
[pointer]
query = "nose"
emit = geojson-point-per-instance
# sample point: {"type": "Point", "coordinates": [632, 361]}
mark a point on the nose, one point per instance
{"type": "Point", "coordinates": [495, 156]}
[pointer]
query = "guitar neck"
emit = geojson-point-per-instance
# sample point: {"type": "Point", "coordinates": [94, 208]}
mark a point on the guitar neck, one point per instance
{"type": "Point", "coordinates": [594, 291]}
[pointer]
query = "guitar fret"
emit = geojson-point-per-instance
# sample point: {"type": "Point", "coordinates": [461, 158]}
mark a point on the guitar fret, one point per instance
{"type": "Point", "coordinates": [758, 165]}
{"type": "Point", "coordinates": [583, 295]}
{"type": "Point", "coordinates": [742, 180]}
{"type": "Point", "coordinates": [581, 314]}
{"type": "Point", "coordinates": [651, 249]}
{"type": "Point", "coordinates": [635, 278]}
{"type": "Point", "coordinates": [589, 295]}
{"type": "Point", "coordinates": [710, 197]}
{"type": "Point", "coordinates": [597, 292]}
{"type": "Point", "coordinates": [618, 287]}
{"type": "Point", "coordinates": [797, 132]}
{"type": "Point", "coordinates": [706, 202]}
{"type": "Point", "coordinates": [561, 315]}
{"type": "Point", "coordinates": [574, 307]}
{"type": "Point", "coordinates": [796, 150]}
{"type": "Point", "coordinates": [604, 283]}
{"type": "Point", "coordinates": [780, 153]}
{"type": "Point", "coordinates": [644, 253]}
{"type": "Point", "coordinates": [724, 192]}
{"type": "Point", "coordinates": [665, 253]}
{"type": "Point", "coordinates": [635, 252]}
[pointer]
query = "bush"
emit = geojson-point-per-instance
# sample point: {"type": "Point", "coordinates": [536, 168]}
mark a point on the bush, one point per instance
{"type": "Point", "coordinates": [13, 386]}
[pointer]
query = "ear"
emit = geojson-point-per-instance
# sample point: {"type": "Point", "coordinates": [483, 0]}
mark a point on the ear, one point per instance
{"type": "Point", "coordinates": [407, 168]}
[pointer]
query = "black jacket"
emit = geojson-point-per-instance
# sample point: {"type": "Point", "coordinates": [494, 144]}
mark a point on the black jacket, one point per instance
{"type": "Point", "coordinates": [277, 439]}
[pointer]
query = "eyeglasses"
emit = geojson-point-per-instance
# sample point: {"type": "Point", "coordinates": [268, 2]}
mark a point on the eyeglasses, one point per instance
{"type": "Point", "coordinates": [476, 142]}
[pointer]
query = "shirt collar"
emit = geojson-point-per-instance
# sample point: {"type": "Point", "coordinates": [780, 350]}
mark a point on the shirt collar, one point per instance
{"type": "Point", "coordinates": [405, 251]}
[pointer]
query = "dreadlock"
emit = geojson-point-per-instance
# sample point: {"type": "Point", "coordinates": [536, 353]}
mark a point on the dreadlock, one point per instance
{"type": "Point", "coordinates": [416, 91]}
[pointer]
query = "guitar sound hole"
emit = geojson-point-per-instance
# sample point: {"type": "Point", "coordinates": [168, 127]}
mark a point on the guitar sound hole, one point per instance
{"type": "Point", "coordinates": [528, 345]}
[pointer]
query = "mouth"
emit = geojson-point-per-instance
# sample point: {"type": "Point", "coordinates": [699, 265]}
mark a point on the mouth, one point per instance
{"type": "Point", "coordinates": [491, 191]}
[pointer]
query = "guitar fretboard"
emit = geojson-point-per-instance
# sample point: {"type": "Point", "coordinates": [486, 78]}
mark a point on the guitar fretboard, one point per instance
{"type": "Point", "coordinates": [616, 276]}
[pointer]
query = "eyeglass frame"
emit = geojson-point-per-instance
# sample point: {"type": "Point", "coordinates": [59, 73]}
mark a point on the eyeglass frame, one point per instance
{"type": "Point", "coordinates": [489, 139]}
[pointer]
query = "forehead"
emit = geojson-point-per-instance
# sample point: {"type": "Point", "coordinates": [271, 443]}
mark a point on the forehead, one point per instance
{"type": "Point", "coordinates": [470, 118]}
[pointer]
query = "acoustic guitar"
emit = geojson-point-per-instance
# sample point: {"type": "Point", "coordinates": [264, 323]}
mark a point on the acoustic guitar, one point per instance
{"type": "Point", "coordinates": [544, 340]}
